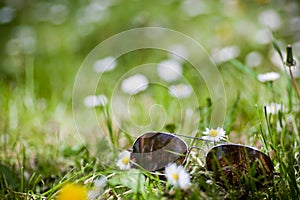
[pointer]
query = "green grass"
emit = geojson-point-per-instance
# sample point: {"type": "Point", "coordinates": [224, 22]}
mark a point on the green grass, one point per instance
{"type": "Point", "coordinates": [41, 150]}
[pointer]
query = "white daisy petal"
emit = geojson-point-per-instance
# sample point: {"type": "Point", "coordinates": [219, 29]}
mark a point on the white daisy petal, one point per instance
{"type": "Point", "coordinates": [184, 179]}
{"type": "Point", "coordinates": [171, 171]}
{"type": "Point", "coordinates": [266, 77]}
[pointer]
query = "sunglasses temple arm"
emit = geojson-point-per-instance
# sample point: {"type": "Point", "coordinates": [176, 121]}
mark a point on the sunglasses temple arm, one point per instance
{"type": "Point", "coordinates": [191, 137]}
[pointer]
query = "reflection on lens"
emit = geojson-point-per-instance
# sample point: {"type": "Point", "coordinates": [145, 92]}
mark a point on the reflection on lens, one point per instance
{"type": "Point", "coordinates": [232, 163]}
{"type": "Point", "coordinates": [155, 150]}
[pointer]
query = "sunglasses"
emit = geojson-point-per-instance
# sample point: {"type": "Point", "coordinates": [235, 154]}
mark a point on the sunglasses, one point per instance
{"type": "Point", "coordinates": [153, 151]}
{"type": "Point", "coordinates": [233, 163]}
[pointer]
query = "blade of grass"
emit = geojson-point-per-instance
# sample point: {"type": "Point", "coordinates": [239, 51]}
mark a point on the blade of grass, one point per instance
{"type": "Point", "coordinates": [244, 68]}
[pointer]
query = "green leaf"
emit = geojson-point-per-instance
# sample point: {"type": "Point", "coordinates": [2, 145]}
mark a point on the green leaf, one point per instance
{"type": "Point", "coordinates": [132, 179]}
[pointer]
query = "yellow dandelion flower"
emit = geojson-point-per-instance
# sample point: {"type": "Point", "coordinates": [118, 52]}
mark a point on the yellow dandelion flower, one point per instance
{"type": "Point", "coordinates": [72, 192]}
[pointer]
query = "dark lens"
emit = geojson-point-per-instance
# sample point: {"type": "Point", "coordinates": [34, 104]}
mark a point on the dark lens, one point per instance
{"type": "Point", "coordinates": [155, 150]}
{"type": "Point", "coordinates": [232, 163]}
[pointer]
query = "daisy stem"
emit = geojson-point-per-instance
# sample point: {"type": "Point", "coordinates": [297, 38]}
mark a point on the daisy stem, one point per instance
{"type": "Point", "coordinates": [272, 89]}
{"type": "Point", "coordinates": [294, 83]}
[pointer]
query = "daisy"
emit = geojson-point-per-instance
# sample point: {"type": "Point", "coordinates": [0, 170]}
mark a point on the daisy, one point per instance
{"type": "Point", "coordinates": [104, 65]}
{"type": "Point", "coordinates": [72, 191]}
{"type": "Point", "coordinates": [135, 84]}
{"type": "Point", "coordinates": [267, 77]}
{"type": "Point", "coordinates": [123, 161]}
{"type": "Point", "coordinates": [177, 176]}
{"type": "Point", "coordinates": [180, 91]}
{"type": "Point", "coordinates": [214, 135]}
{"type": "Point", "coordinates": [169, 70]}
{"type": "Point", "coordinates": [93, 101]}
{"type": "Point", "coordinates": [98, 189]}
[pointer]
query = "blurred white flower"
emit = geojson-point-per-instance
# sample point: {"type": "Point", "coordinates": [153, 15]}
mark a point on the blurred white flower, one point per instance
{"type": "Point", "coordinates": [279, 127]}
{"type": "Point", "coordinates": [180, 91]}
{"type": "Point", "coordinates": [214, 135]}
{"type": "Point", "coordinates": [123, 161]}
{"type": "Point", "coordinates": [24, 41]}
{"type": "Point", "coordinates": [169, 70]}
{"type": "Point", "coordinates": [194, 7]}
{"type": "Point", "coordinates": [253, 59]}
{"type": "Point", "coordinates": [267, 77]}
{"type": "Point", "coordinates": [6, 15]}
{"type": "Point", "coordinates": [134, 84]}
{"type": "Point", "coordinates": [93, 101]}
{"type": "Point", "coordinates": [270, 18]}
{"type": "Point", "coordinates": [276, 60]}
{"type": "Point", "coordinates": [58, 13]}
{"type": "Point", "coordinates": [225, 54]}
{"type": "Point", "coordinates": [177, 176]}
{"type": "Point", "coordinates": [98, 188]}
{"type": "Point", "coordinates": [178, 52]}
{"type": "Point", "coordinates": [294, 24]}
{"type": "Point", "coordinates": [96, 11]}
{"type": "Point", "coordinates": [263, 36]}
{"type": "Point", "coordinates": [295, 71]}
{"type": "Point", "coordinates": [106, 64]}
{"type": "Point", "coordinates": [274, 108]}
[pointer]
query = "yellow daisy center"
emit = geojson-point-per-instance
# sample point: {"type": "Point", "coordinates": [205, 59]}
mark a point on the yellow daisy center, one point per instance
{"type": "Point", "coordinates": [125, 161]}
{"type": "Point", "coordinates": [175, 176]}
{"type": "Point", "coordinates": [213, 133]}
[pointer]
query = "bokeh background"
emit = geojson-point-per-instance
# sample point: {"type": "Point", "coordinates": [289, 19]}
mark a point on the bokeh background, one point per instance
{"type": "Point", "coordinates": [43, 44]}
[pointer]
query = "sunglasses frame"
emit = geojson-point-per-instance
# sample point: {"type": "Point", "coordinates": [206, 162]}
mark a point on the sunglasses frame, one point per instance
{"type": "Point", "coordinates": [171, 137]}
{"type": "Point", "coordinates": [234, 170]}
